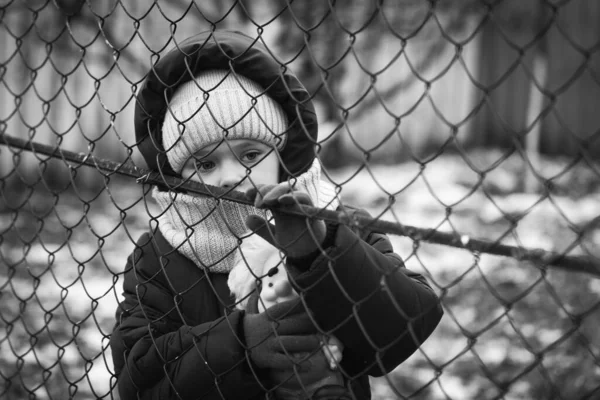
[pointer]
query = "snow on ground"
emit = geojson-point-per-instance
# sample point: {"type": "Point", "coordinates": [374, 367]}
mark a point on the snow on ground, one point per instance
{"type": "Point", "coordinates": [61, 265]}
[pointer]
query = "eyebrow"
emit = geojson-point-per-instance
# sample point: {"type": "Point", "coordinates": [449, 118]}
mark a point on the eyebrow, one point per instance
{"type": "Point", "coordinates": [248, 143]}
{"type": "Point", "coordinates": [235, 145]}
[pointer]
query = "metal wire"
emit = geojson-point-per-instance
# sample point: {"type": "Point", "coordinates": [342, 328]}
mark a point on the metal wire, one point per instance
{"type": "Point", "coordinates": [538, 257]}
{"type": "Point", "coordinates": [502, 95]}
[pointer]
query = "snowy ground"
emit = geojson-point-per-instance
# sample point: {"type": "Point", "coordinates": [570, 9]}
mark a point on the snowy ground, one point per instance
{"type": "Point", "coordinates": [510, 329]}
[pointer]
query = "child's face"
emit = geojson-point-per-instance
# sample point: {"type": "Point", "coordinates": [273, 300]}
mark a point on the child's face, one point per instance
{"type": "Point", "coordinates": [239, 163]}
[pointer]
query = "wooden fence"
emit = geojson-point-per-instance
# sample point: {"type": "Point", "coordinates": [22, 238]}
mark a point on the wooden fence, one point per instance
{"type": "Point", "coordinates": [460, 76]}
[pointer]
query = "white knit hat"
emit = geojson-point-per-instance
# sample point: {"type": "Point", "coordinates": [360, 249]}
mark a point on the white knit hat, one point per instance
{"type": "Point", "coordinates": [217, 105]}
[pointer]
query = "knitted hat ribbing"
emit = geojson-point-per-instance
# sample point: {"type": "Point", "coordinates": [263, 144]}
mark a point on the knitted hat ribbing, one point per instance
{"type": "Point", "coordinates": [219, 104]}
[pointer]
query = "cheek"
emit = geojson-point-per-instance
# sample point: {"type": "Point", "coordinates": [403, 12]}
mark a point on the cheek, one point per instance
{"type": "Point", "coordinates": [208, 179]}
{"type": "Point", "coordinates": [267, 171]}
{"type": "Point", "coordinates": [189, 173]}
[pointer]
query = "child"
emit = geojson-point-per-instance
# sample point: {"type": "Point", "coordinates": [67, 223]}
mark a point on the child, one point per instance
{"type": "Point", "coordinates": [220, 109]}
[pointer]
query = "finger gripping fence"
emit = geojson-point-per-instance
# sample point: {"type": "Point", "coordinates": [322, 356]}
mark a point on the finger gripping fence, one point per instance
{"type": "Point", "coordinates": [443, 245]}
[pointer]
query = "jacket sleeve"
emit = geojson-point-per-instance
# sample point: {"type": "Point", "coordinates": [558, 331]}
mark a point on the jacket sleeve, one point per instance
{"type": "Point", "coordinates": [157, 356]}
{"type": "Point", "coordinates": [359, 290]}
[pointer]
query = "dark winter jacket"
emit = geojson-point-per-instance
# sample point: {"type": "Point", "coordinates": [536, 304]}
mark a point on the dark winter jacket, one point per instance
{"type": "Point", "coordinates": [176, 335]}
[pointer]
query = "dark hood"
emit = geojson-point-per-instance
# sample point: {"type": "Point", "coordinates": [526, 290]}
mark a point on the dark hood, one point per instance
{"type": "Point", "coordinates": [245, 56]}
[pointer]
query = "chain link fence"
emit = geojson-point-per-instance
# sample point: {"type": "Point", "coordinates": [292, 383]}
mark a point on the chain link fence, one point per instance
{"type": "Point", "coordinates": [467, 128]}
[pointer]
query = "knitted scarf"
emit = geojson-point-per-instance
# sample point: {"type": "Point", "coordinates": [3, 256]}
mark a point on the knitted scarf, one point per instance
{"type": "Point", "coordinates": [210, 231]}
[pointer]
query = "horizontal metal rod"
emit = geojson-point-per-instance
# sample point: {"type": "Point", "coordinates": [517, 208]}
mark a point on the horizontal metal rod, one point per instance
{"type": "Point", "coordinates": [539, 257]}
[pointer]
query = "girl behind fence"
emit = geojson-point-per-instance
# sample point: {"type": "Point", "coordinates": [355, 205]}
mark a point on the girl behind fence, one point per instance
{"type": "Point", "coordinates": [221, 110]}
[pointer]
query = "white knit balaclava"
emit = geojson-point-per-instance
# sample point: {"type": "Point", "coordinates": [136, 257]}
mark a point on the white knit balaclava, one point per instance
{"type": "Point", "coordinates": [218, 105]}
{"type": "Point", "coordinates": [209, 231]}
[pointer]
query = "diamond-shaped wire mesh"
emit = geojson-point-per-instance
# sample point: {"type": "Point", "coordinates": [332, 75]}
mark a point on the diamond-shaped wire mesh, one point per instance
{"type": "Point", "coordinates": [468, 129]}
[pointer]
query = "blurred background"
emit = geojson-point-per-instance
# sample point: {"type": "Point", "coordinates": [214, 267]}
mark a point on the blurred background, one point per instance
{"type": "Point", "coordinates": [473, 117]}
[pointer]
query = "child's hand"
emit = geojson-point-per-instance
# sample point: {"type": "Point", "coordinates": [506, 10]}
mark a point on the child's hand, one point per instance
{"type": "Point", "coordinates": [296, 236]}
{"type": "Point", "coordinates": [272, 335]}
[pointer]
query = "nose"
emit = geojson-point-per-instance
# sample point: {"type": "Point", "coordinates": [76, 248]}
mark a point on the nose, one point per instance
{"type": "Point", "coordinates": [233, 174]}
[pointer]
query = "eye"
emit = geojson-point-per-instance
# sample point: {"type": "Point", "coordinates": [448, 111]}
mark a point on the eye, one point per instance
{"type": "Point", "coordinates": [204, 165]}
{"type": "Point", "coordinates": [251, 156]}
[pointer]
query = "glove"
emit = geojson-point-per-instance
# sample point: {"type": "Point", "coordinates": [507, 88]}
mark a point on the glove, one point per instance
{"type": "Point", "coordinates": [274, 334]}
{"type": "Point", "coordinates": [313, 374]}
{"type": "Point", "coordinates": [295, 235]}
